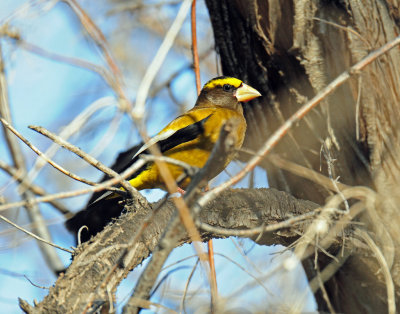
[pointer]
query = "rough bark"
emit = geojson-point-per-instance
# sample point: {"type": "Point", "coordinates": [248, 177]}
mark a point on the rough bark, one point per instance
{"type": "Point", "coordinates": [101, 264]}
{"type": "Point", "coordinates": [290, 50]}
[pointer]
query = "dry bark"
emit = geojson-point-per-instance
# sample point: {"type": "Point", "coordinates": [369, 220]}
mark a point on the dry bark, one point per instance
{"type": "Point", "coordinates": [101, 264]}
{"type": "Point", "coordinates": [290, 50]}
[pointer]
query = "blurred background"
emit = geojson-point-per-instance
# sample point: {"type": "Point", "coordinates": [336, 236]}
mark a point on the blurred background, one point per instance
{"type": "Point", "coordinates": [56, 76]}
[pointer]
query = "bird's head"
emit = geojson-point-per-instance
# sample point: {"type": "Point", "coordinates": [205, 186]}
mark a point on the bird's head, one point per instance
{"type": "Point", "coordinates": [225, 91]}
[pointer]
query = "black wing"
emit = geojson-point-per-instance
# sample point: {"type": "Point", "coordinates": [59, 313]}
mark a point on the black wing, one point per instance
{"type": "Point", "coordinates": [128, 158]}
{"type": "Point", "coordinates": [183, 135]}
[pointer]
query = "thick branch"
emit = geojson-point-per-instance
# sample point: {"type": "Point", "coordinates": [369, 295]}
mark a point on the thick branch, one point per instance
{"type": "Point", "coordinates": [103, 262]}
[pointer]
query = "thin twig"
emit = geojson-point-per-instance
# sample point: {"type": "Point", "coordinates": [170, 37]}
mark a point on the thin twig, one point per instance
{"type": "Point", "coordinates": [35, 285]}
{"type": "Point", "coordinates": [358, 103]}
{"type": "Point", "coordinates": [34, 235]}
{"type": "Point", "coordinates": [190, 170]}
{"type": "Point", "coordinates": [330, 165]}
{"type": "Point", "coordinates": [17, 175]}
{"type": "Point", "coordinates": [50, 255]}
{"type": "Point", "coordinates": [37, 50]}
{"type": "Point", "coordinates": [156, 89]}
{"type": "Point", "coordinates": [196, 65]}
{"type": "Point", "coordinates": [21, 11]}
{"type": "Point", "coordinates": [100, 40]}
{"type": "Point", "coordinates": [179, 261]}
{"type": "Point", "coordinates": [325, 295]}
{"type": "Point", "coordinates": [391, 299]}
{"type": "Point", "coordinates": [99, 187]}
{"type": "Point", "coordinates": [108, 137]}
{"type": "Point", "coordinates": [247, 272]}
{"type": "Point", "coordinates": [75, 125]}
{"type": "Point", "coordinates": [86, 157]}
{"type": "Point", "coordinates": [185, 290]}
{"type": "Point", "coordinates": [305, 172]}
{"type": "Point", "coordinates": [139, 109]}
{"type": "Point", "coordinates": [344, 28]}
{"type": "Point", "coordinates": [39, 153]}
{"type": "Point", "coordinates": [320, 226]}
{"type": "Point", "coordinates": [329, 271]}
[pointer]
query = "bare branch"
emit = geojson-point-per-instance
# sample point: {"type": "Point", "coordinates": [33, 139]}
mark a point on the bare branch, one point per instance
{"type": "Point", "coordinates": [6, 31]}
{"type": "Point", "coordinates": [100, 40]}
{"type": "Point", "coordinates": [391, 298]}
{"type": "Point", "coordinates": [39, 224]}
{"type": "Point", "coordinates": [37, 151]}
{"type": "Point", "coordinates": [76, 124]}
{"type": "Point", "coordinates": [128, 172]}
{"type": "Point", "coordinates": [34, 235]}
{"type": "Point", "coordinates": [152, 70]}
{"type": "Point", "coordinates": [247, 208]}
{"type": "Point", "coordinates": [16, 175]}
{"type": "Point", "coordinates": [91, 160]}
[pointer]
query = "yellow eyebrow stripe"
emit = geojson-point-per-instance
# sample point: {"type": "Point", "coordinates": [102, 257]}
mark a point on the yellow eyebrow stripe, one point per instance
{"type": "Point", "coordinates": [222, 81]}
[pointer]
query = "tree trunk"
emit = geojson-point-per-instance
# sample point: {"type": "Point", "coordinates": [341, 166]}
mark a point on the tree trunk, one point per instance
{"type": "Point", "coordinates": [290, 50]}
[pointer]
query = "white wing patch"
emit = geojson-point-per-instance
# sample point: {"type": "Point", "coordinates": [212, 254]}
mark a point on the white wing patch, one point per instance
{"type": "Point", "coordinates": [101, 197]}
{"type": "Point", "coordinates": [154, 140]}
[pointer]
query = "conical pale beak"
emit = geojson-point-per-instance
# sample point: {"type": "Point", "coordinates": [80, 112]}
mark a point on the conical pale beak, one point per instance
{"type": "Point", "coordinates": [245, 93]}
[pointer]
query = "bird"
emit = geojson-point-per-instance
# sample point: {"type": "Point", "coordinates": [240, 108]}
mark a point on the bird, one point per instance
{"type": "Point", "coordinates": [189, 138]}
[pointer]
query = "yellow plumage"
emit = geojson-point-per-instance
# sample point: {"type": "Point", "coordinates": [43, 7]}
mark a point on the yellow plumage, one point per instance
{"type": "Point", "coordinates": [219, 101]}
{"type": "Point", "coordinates": [194, 152]}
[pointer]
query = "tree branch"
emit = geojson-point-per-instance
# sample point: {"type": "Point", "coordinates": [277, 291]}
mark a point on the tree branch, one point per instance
{"type": "Point", "coordinates": [39, 225]}
{"type": "Point", "coordinates": [90, 274]}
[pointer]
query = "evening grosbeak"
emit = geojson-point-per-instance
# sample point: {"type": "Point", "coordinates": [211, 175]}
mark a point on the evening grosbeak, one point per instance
{"type": "Point", "coordinates": [189, 138]}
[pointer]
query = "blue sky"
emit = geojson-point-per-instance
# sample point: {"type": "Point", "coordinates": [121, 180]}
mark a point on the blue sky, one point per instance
{"type": "Point", "coordinates": [51, 94]}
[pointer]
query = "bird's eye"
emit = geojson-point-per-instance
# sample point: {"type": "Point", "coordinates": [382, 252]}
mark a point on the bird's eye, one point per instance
{"type": "Point", "coordinates": [227, 87]}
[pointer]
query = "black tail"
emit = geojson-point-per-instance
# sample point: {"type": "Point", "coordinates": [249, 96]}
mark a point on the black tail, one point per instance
{"type": "Point", "coordinates": [96, 216]}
